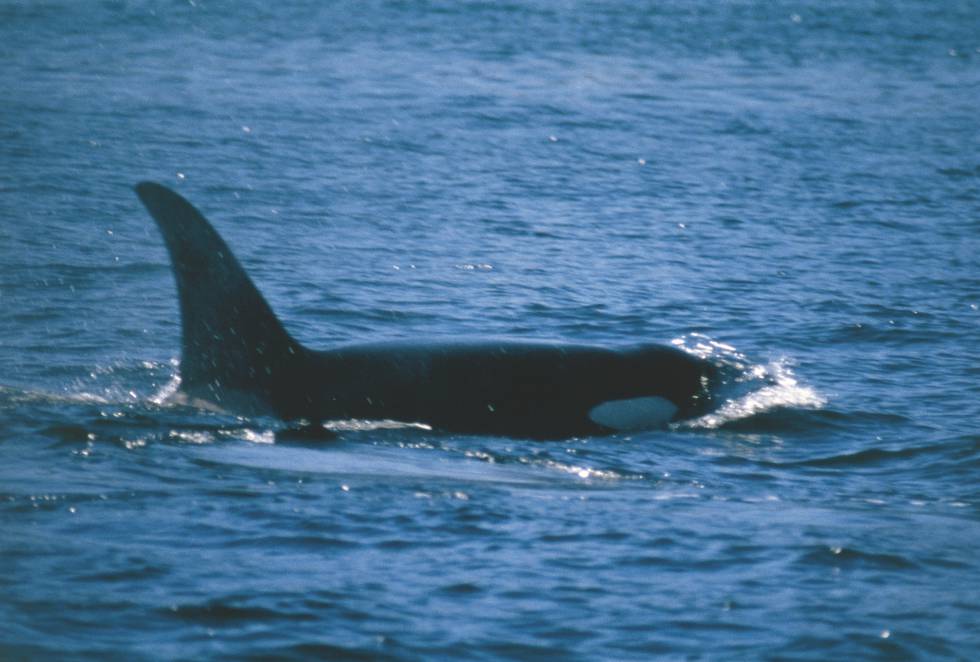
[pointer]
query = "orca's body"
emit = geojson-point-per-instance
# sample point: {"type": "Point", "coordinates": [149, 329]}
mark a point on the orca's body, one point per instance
{"type": "Point", "coordinates": [237, 355]}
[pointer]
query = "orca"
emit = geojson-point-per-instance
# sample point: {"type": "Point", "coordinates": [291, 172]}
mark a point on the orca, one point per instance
{"type": "Point", "coordinates": [237, 356]}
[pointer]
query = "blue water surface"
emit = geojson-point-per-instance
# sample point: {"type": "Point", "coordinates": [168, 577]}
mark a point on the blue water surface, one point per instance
{"type": "Point", "coordinates": [789, 188]}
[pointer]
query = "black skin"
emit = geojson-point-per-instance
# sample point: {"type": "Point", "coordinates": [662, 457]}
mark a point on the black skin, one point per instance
{"type": "Point", "coordinates": [237, 355]}
{"type": "Point", "coordinates": [506, 388]}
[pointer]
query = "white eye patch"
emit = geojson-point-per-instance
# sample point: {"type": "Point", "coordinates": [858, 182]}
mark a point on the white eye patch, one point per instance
{"type": "Point", "coordinates": [634, 414]}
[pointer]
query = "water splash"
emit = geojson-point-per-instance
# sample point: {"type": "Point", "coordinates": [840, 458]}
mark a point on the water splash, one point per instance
{"type": "Point", "coordinates": [362, 425]}
{"type": "Point", "coordinates": [124, 383]}
{"type": "Point", "coordinates": [168, 391]}
{"type": "Point", "coordinates": [746, 389]}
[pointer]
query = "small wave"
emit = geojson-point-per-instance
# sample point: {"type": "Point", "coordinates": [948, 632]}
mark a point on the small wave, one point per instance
{"type": "Point", "coordinates": [791, 419]}
{"type": "Point", "coordinates": [889, 331]}
{"type": "Point", "coordinates": [312, 543]}
{"type": "Point", "coordinates": [69, 433]}
{"type": "Point", "coordinates": [577, 470]}
{"type": "Point", "coordinates": [10, 395]}
{"type": "Point", "coordinates": [224, 612]}
{"type": "Point", "coordinates": [747, 390]}
{"type": "Point", "coordinates": [322, 651]}
{"type": "Point", "coordinates": [845, 556]}
{"type": "Point", "coordinates": [542, 461]}
{"type": "Point", "coordinates": [960, 173]}
{"type": "Point", "coordinates": [139, 572]}
{"type": "Point", "coordinates": [947, 453]}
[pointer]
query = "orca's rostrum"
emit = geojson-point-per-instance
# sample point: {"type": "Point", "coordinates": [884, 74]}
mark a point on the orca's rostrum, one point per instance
{"type": "Point", "coordinates": [237, 356]}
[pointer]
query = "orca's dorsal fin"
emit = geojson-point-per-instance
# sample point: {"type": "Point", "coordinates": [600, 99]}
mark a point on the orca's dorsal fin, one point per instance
{"type": "Point", "coordinates": [233, 346]}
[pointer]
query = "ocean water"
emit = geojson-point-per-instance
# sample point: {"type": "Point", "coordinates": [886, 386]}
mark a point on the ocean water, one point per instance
{"type": "Point", "coordinates": [789, 188]}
